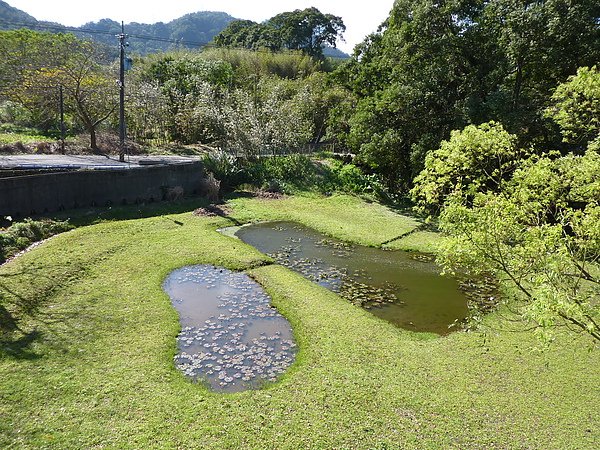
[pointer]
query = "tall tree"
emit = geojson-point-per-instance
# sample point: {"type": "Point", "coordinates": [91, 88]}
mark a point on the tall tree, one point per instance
{"type": "Point", "coordinates": [436, 66]}
{"type": "Point", "coordinates": [42, 63]}
{"type": "Point", "coordinates": [308, 30]}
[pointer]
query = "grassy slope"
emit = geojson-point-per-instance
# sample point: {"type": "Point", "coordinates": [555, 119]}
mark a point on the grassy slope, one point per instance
{"type": "Point", "coordinates": [11, 138]}
{"type": "Point", "coordinates": [99, 371]}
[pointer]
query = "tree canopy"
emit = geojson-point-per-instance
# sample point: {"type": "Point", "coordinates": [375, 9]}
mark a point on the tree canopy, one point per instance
{"type": "Point", "coordinates": [438, 66]}
{"type": "Point", "coordinates": [531, 220]}
{"type": "Point", "coordinates": [37, 65]}
{"type": "Point", "coordinates": [307, 30]}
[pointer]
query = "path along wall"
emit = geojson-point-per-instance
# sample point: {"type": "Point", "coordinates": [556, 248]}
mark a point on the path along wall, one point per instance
{"type": "Point", "coordinates": [41, 193]}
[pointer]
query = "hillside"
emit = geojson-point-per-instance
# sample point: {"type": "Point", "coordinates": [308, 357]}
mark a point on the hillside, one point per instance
{"type": "Point", "coordinates": [12, 18]}
{"type": "Point", "coordinates": [191, 30]}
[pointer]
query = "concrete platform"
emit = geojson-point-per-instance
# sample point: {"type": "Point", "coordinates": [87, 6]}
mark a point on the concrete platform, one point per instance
{"type": "Point", "coordinates": [94, 162]}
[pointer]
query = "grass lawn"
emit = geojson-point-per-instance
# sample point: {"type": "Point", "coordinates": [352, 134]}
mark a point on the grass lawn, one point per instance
{"type": "Point", "coordinates": [88, 339]}
{"type": "Point", "coordinates": [24, 138]}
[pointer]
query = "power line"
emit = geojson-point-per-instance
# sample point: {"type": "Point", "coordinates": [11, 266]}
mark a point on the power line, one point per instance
{"type": "Point", "coordinates": [61, 28]}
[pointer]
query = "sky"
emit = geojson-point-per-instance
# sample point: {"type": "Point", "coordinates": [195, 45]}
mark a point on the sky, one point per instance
{"type": "Point", "coordinates": [361, 18]}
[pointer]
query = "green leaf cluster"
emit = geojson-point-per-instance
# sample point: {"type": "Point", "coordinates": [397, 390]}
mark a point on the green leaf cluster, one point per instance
{"type": "Point", "coordinates": [475, 159]}
{"type": "Point", "coordinates": [307, 30]}
{"type": "Point", "coordinates": [576, 107]}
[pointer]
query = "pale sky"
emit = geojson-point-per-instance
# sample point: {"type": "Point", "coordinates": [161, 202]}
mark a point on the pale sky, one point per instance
{"type": "Point", "coordinates": [361, 18]}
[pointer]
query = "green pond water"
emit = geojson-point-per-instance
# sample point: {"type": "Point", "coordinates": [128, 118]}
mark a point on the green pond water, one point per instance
{"type": "Point", "coordinates": [400, 287]}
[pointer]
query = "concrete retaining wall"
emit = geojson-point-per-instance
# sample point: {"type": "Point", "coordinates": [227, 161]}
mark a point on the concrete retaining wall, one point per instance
{"type": "Point", "coordinates": [37, 194]}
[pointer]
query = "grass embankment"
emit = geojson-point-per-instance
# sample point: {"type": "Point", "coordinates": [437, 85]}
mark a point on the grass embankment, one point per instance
{"type": "Point", "coordinates": [90, 364]}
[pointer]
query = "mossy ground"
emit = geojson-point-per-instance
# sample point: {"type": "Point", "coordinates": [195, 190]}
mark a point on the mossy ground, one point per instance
{"type": "Point", "coordinates": [88, 339]}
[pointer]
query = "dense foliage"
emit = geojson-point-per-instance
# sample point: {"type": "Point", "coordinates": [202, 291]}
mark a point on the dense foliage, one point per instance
{"type": "Point", "coordinates": [532, 220]}
{"type": "Point", "coordinates": [438, 66]}
{"type": "Point", "coordinates": [541, 235]}
{"type": "Point", "coordinates": [235, 100]}
{"type": "Point", "coordinates": [308, 30]}
{"type": "Point", "coordinates": [475, 159]}
{"type": "Point", "coordinates": [291, 174]}
{"type": "Point", "coordinates": [36, 66]}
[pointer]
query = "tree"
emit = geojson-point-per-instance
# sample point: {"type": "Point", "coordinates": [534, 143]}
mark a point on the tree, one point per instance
{"type": "Point", "coordinates": [434, 67]}
{"type": "Point", "coordinates": [24, 53]}
{"type": "Point", "coordinates": [258, 122]}
{"type": "Point", "coordinates": [45, 62]}
{"type": "Point", "coordinates": [576, 106]}
{"type": "Point", "coordinates": [412, 80]}
{"type": "Point", "coordinates": [191, 85]}
{"type": "Point", "coordinates": [308, 30]}
{"type": "Point", "coordinates": [541, 43]}
{"type": "Point", "coordinates": [250, 35]}
{"type": "Point", "coordinates": [536, 226]}
{"type": "Point", "coordinates": [541, 236]}
{"type": "Point", "coordinates": [477, 159]}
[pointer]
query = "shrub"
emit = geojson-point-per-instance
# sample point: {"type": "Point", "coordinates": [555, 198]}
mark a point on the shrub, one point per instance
{"type": "Point", "coordinates": [21, 235]}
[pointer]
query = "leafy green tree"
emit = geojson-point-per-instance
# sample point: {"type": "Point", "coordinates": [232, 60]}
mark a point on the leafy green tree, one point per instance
{"type": "Point", "coordinates": [477, 159]}
{"type": "Point", "coordinates": [45, 62]}
{"type": "Point", "coordinates": [24, 52]}
{"type": "Point", "coordinates": [541, 43]}
{"type": "Point", "coordinates": [535, 226]}
{"type": "Point", "coordinates": [576, 106]}
{"type": "Point", "coordinates": [541, 236]}
{"type": "Point", "coordinates": [308, 30]}
{"type": "Point", "coordinates": [249, 35]}
{"type": "Point", "coordinates": [411, 79]}
{"type": "Point", "coordinates": [434, 67]}
{"type": "Point", "coordinates": [190, 84]}
{"type": "Point", "coordinates": [258, 122]}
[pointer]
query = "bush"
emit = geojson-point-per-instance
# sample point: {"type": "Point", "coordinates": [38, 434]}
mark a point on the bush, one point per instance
{"type": "Point", "coordinates": [475, 159]}
{"type": "Point", "coordinates": [226, 168]}
{"type": "Point", "coordinates": [21, 235]}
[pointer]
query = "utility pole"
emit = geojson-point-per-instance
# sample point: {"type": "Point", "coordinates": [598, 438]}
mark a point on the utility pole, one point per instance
{"type": "Point", "coordinates": [122, 44]}
{"type": "Point", "coordinates": [62, 119]}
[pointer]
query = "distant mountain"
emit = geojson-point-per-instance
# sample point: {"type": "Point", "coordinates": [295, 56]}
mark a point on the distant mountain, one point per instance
{"type": "Point", "coordinates": [190, 31]}
{"type": "Point", "coordinates": [12, 18]}
{"type": "Point", "coordinates": [334, 53]}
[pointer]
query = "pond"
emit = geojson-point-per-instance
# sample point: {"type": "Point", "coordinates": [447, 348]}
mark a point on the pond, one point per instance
{"type": "Point", "coordinates": [403, 288]}
{"type": "Point", "coordinates": [232, 339]}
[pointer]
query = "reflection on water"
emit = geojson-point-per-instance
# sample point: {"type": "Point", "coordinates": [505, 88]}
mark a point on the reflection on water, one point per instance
{"type": "Point", "coordinates": [231, 338]}
{"type": "Point", "coordinates": [393, 285]}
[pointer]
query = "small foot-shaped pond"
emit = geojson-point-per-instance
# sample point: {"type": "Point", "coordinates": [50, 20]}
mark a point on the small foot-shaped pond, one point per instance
{"type": "Point", "coordinates": [231, 337]}
{"type": "Point", "coordinates": [397, 286]}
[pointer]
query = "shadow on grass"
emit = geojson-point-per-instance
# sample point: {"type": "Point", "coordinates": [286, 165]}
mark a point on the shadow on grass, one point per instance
{"type": "Point", "coordinates": [89, 216]}
{"type": "Point", "coordinates": [14, 341]}
{"type": "Point", "coordinates": [23, 297]}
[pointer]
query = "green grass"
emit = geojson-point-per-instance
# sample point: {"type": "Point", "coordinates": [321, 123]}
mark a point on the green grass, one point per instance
{"type": "Point", "coordinates": [23, 138]}
{"type": "Point", "coordinates": [91, 363]}
{"type": "Point", "coordinates": [342, 216]}
{"type": "Point", "coordinates": [420, 241]}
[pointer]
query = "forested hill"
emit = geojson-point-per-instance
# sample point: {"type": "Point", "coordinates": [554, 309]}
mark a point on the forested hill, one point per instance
{"type": "Point", "coordinates": [11, 18]}
{"type": "Point", "coordinates": [190, 31]}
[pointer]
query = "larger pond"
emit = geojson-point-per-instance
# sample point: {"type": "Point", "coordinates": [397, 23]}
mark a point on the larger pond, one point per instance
{"type": "Point", "coordinates": [400, 287]}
